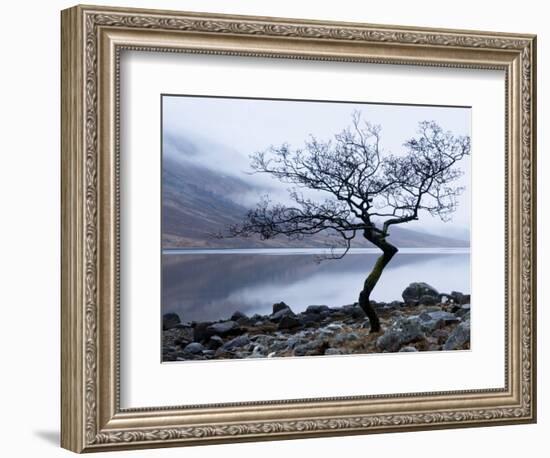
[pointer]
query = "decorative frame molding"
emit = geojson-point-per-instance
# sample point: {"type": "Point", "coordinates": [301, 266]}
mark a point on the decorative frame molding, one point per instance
{"type": "Point", "coordinates": [92, 38]}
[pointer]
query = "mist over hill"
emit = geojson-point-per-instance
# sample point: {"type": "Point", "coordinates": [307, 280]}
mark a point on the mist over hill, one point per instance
{"type": "Point", "coordinates": [198, 202]}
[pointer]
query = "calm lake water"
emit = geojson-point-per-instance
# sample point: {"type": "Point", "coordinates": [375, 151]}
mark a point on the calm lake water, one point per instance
{"type": "Point", "coordinates": [205, 285]}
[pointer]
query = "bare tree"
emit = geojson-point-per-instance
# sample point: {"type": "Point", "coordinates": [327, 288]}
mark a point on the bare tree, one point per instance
{"type": "Point", "coordinates": [360, 189]}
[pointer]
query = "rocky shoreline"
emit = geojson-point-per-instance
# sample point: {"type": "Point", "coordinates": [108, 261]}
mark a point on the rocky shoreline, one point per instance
{"type": "Point", "coordinates": [425, 320]}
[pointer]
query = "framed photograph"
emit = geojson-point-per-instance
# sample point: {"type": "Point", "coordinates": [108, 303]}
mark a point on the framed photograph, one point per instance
{"type": "Point", "coordinates": [278, 228]}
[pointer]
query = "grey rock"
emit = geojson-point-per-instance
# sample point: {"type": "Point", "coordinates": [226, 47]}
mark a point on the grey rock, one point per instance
{"type": "Point", "coordinates": [441, 335]}
{"type": "Point", "coordinates": [224, 328]}
{"type": "Point", "coordinates": [430, 321]}
{"type": "Point", "coordinates": [170, 320]}
{"type": "Point", "coordinates": [428, 300]}
{"type": "Point", "coordinates": [214, 342]}
{"type": "Point", "coordinates": [277, 307]}
{"type": "Point", "coordinates": [237, 342]}
{"type": "Point", "coordinates": [257, 317]}
{"type": "Point", "coordinates": [412, 293]}
{"type": "Point", "coordinates": [325, 333]}
{"type": "Point", "coordinates": [259, 337]}
{"type": "Point", "coordinates": [317, 309]}
{"type": "Point", "coordinates": [279, 345]}
{"type": "Point", "coordinates": [462, 310]}
{"type": "Point", "coordinates": [387, 306]}
{"type": "Point", "coordinates": [334, 327]}
{"type": "Point", "coordinates": [333, 351]}
{"type": "Point", "coordinates": [460, 298]}
{"type": "Point", "coordinates": [365, 324]}
{"type": "Point", "coordinates": [241, 354]}
{"type": "Point", "coordinates": [183, 326]}
{"type": "Point", "coordinates": [345, 337]}
{"type": "Point", "coordinates": [459, 337]}
{"type": "Point", "coordinates": [446, 317]}
{"type": "Point", "coordinates": [292, 342]}
{"type": "Point", "coordinates": [280, 314]}
{"type": "Point", "coordinates": [204, 330]}
{"type": "Point", "coordinates": [354, 311]}
{"type": "Point", "coordinates": [404, 331]}
{"type": "Point", "coordinates": [431, 308]}
{"type": "Point", "coordinates": [194, 348]}
{"type": "Point", "coordinates": [408, 349]}
{"type": "Point", "coordinates": [389, 341]}
{"type": "Point", "coordinates": [310, 319]}
{"type": "Point", "coordinates": [238, 316]}
{"type": "Point", "coordinates": [181, 342]}
{"type": "Point", "coordinates": [410, 330]}
{"type": "Point", "coordinates": [259, 351]}
{"type": "Point", "coordinates": [289, 322]}
{"type": "Point", "coordinates": [221, 353]}
{"type": "Point", "coordinates": [315, 347]}
{"type": "Point", "coordinates": [200, 332]}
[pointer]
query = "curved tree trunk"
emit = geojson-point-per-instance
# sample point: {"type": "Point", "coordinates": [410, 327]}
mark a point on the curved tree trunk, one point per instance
{"type": "Point", "coordinates": [388, 252]}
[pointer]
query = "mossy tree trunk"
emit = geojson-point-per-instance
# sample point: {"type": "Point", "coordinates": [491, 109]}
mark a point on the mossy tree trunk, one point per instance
{"type": "Point", "coordinates": [388, 252]}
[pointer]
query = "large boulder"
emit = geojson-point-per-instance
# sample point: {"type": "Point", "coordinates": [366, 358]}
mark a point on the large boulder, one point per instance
{"type": "Point", "coordinates": [310, 319]}
{"type": "Point", "coordinates": [224, 328]}
{"type": "Point", "coordinates": [170, 320]}
{"type": "Point", "coordinates": [236, 343]}
{"type": "Point", "coordinates": [430, 321]}
{"type": "Point", "coordinates": [459, 337]}
{"type": "Point", "coordinates": [426, 299]}
{"type": "Point", "coordinates": [390, 341]}
{"type": "Point", "coordinates": [194, 348]}
{"type": "Point", "coordinates": [281, 313]}
{"type": "Point", "coordinates": [204, 330]}
{"type": "Point", "coordinates": [403, 332]}
{"type": "Point", "coordinates": [289, 322]}
{"type": "Point", "coordinates": [354, 311]}
{"type": "Point", "coordinates": [214, 342]}
{"type": "Point", "coordinates": [460, 298]}
{"type": "Point", "coordinates": [239, 316]}
{"type": "Point", "coordinates": [278, 306]}
{"type": "Point", "coordinates": [317, 309]}
{"type": "Point", "coordinates": [415, 293]}
{"type": "Point", "coordinates": [200, 333]}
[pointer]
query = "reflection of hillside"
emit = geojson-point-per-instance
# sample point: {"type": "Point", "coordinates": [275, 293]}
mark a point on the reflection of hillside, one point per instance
{"type": "Point", "coordinates": [203, 287]}
{"type": "Point", "coordinates": [198, 202]}
{"type": "Point", "coordinates": [187, 278]}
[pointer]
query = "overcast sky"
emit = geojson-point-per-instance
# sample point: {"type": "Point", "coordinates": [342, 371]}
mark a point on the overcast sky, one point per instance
{"type": "Point", "coordinates": [221, 133]}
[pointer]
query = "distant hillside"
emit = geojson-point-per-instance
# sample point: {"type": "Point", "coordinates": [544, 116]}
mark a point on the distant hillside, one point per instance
{"type": "Point", "coordinates": [197, 202]}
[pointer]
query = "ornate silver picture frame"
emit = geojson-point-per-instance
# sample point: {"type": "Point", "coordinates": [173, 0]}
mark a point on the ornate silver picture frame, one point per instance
{"type": "Point", "coordinates": [93, 41]}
